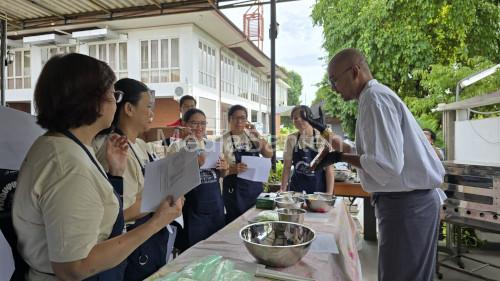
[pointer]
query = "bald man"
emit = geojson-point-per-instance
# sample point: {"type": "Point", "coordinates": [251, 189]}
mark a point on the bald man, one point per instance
{"type": "Point", "coordinates": [396, 164]}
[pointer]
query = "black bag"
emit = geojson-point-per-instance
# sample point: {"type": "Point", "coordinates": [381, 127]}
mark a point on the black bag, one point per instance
{"type": "Point", "coordinates": [8, 182]}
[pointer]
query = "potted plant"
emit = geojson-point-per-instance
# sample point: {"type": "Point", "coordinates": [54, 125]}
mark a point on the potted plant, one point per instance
{"type": "Point", "coordinates": [273, 183]}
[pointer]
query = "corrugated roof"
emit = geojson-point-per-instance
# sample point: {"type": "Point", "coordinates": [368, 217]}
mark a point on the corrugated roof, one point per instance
{"type": "Point", "coordinates": [22, 14]}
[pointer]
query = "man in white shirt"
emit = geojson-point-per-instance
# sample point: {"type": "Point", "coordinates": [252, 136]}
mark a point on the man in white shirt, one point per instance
{"type": "Point", "coordinates": [396, 164]}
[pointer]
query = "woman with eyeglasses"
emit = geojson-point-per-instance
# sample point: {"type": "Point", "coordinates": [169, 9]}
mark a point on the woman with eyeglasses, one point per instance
{"type": "Point", "coordinates": [133, 117]}
{"type": "Point", "coordinates": [203, 211]}
{"type": "Point", "coordinates": [242, 140]}
{"type": "Point", "coordinates": [67, 210]}
{"type": "Point", "coordinates": [300, 149]}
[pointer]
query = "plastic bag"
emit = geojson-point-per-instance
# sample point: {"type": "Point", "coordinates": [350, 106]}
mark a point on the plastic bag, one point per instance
{"type": "Point", "coordinates": [210, 268]}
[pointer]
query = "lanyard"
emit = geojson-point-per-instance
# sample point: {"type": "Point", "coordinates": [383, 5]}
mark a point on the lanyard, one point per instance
{"type": "Point", "coordinates": [68, 134]}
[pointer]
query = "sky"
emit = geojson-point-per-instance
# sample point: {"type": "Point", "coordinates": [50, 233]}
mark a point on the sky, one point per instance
{"type": "Point", "coordinates": [298, 46]}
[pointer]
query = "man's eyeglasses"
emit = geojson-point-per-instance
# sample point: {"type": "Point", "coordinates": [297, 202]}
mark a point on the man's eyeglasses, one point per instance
{"type": "Point", "coordinates": [196, 123]}
{"type": "Point", "coordinates": [333, 81]}
{"type": "Point", "coordinates": [118, 96]}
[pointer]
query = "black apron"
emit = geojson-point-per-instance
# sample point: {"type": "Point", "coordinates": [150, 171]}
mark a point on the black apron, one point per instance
{"type": "Point", "coordinates": [203, 211]}
{"type": "Point", "coordinates": [150, 255]}
{"type": "Point", "coordinates": [116, 273]}
{"type": "Point", "coordinates": [303, 179]}
{"type": "Point", "coordinates": [240, 194]}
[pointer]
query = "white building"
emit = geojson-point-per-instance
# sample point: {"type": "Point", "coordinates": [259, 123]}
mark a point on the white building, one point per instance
{"type": "Point", "coordinates": [202, 54]}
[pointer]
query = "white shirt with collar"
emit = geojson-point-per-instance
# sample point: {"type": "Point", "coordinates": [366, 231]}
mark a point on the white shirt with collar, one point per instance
{"type": "Point", "coordinates": [394, 152]}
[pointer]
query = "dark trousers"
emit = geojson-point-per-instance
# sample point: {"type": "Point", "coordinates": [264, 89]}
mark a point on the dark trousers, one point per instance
{"type": "Point", "coordinates": [407, 223]}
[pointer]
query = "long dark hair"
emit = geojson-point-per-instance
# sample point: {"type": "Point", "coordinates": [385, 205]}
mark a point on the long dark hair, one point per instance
{"type": "Point", "coordinates": [302, 108]}
{"type": "Point", "coordinates": [190, 114]}
{"type": "Point", "coordinates": [132, 93]}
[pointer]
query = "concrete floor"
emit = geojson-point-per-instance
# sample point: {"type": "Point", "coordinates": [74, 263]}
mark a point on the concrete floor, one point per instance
{"type": "Point", "coordinates": [368, 257]}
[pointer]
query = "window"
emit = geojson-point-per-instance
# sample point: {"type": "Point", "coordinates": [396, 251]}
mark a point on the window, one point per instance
{"type": "Point", "coordinates": [242, 82]}
{"type": "Point", "coordinates": [255, 87]}
{"type": "Point", "coordinates": [227, 75]}
{"type": "Point", "coordinates": [207, 65]}
{"type": "Point", "coordinates": [160, 61]}
{"type": "Point", "coordinates": [19, 71]}
{"type": "Point", "coordinates": [49, 52]}
{"type": "Point", "coordinates": [115, 54]}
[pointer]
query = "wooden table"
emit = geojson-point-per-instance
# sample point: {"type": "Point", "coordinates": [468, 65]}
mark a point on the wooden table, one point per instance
{"type": "Point", "coordinates": [351, 189]}
{"type": "Point", "coordinates": [320, 266]}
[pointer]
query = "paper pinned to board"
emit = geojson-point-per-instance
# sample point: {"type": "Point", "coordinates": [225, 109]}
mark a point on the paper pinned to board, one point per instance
{"type": "Point", "coordinates": [257, 168]}
{"type": "Point", "coordinates": [18, 131]}
{"type": "Point", "coordinates": [174, 175]}
{"type": "Point", "coordinates": [6, 259]}
{"type": "Point", "coordinates": [212, 153]}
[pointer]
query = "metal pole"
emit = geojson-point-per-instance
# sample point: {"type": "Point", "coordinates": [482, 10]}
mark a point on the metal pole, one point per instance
{"type": "Point", "coordinates": [3, 49]}
{"type": "Point", "coordinates": [273, 34]}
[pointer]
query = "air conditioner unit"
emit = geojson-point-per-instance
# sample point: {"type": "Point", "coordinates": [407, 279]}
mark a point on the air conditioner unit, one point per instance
{"type": "Point", "coordinates": [45, 39]}
{"type": "Point", "coordinates": [95, 34]}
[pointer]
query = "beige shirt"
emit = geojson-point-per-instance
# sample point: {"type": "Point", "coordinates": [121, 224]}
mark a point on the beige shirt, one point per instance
{"type": "Point", "coordinates": [63, 205]}
{"type": "Point", "coordinates": [304, 142]}
{"type": "Point", "coordinates": [240, 141]}
{"type": "Point", "coordinates": [133, 179]}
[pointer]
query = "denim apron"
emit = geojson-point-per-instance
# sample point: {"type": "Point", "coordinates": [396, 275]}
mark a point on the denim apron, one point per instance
{"type": "Point", "coordinates": [151, 255]}
{"type": "Point", "coordinates": [303, 179]}
{"type": "Point", "coordinates": [240, 194]}
{"type": "Point", "coordinates": [116, 273]}
{"type": "Point", "coordinates": [203, 210]}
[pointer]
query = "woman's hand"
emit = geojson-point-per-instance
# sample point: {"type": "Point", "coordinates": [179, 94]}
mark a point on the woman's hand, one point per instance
{"type": "Point", "coordinates": [222, 165]}
{"type": "Point", "coordinates": [237, 168]}
{"type": "Point", "coordinates": [168, 211]}
{"type": "Point", "coordinates": [252, 130]}
{"type": "Point", "coordinates": [116, 154]}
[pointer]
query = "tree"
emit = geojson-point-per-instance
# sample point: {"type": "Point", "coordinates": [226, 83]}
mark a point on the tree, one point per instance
{"type": "Point", "coordinates": [293, 93]}
{"type": "Point", "coordinates": [419, 48]}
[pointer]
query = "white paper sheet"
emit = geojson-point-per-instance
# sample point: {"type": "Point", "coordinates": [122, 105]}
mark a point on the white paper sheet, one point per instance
{"type": "Point", "coordinates": [174, 175]}
{"type": "Point", "coordinates": [324, 243]}
{"type": "Point", "coordinates": [6, 259]}
{"type": "Point", "coordinates": [212, 153]}
{"type": "Point", "coordinates": [18, 131]}
{"type": "Point", "coordinates": [257, 168]}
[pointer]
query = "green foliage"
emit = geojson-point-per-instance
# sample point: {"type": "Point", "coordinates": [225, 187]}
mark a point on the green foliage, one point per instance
{"type": "Point", "coordinates": [420, 49]}
{"type": "Point", "coordinates": [274, 176]}
{"type": "Point", "coordinates": [294, 80]}
{"type": "Point", "coordinates": [281, 138]}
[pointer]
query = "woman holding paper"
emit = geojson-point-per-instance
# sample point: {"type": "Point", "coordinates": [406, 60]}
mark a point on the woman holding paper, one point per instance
{"type": "Point", "coordinates": [67, 211]}
{"type": "Point", "coordinates": [203, 211]}
{"type": "Point", "coordinates": [301, 148]}
{"type": "Point", "coordinates": [242, 140]}
{"type": "Point", "coordinates": [133, 117]}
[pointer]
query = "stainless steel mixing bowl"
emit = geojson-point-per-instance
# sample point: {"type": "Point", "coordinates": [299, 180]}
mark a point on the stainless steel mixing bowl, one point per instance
{"type": "Point", "coordinates": [320, 203]}
{"type": "Point", "coordinates": [277, 244]}
{"type": "Point", "coordinates": [289, 202]}
{"type": "Point", "coordinates": [291, 215]}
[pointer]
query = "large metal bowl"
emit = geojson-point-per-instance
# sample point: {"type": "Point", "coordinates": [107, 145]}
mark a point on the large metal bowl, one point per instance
{"type": "Point", "coordinates": [277, 244]}
{"type": "Point", "coordinates": [320, 203]}
{"type": "Point", "coordinates": [291, 215]}
{"type": "Point", "coordinates": [288, 202]}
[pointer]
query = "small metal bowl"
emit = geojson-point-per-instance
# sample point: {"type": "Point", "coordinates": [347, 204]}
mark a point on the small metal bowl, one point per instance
{"type": "Point", "coordinates": [289, 202]}
{"type": "Point", "coordinates": [320, 203]}
{"type": "Point", "coordinates": [291, 215]}
{"type": "Point", "coordinates": [277, 244]}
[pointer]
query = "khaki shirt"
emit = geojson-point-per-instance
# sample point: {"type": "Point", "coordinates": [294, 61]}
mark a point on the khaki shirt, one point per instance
{"type": "Point", "coordinates": [240, 141]}
{"type": "Point", "coordinates": [63, 205]}
{"type": "Point", "coordinates": [304, 142]}
{"type": "Point", "coordinates": [133, 179]}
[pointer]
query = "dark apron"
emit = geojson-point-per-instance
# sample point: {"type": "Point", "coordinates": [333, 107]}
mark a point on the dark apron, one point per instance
{"type": "Point", "coordinates": [303, 179]}
{"type": "Point", "coordinates": [203, 211]}
{"type": "Point", "coordinates": [150, 255]}
{"type": "Point", "coordinates": [240, 194]}
{"type": "Point", "coordinates": [116, 273]}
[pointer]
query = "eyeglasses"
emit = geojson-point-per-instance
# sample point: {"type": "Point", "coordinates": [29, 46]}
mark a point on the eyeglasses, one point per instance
{"type": "Point", "coordinates": [239, 118]}
{"type": "Point", "coordinates": [333, 81]}
{"type": "Point", "coordinates": [197, 123]}
{"type": "Point", "coordinates": [118, 96]}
